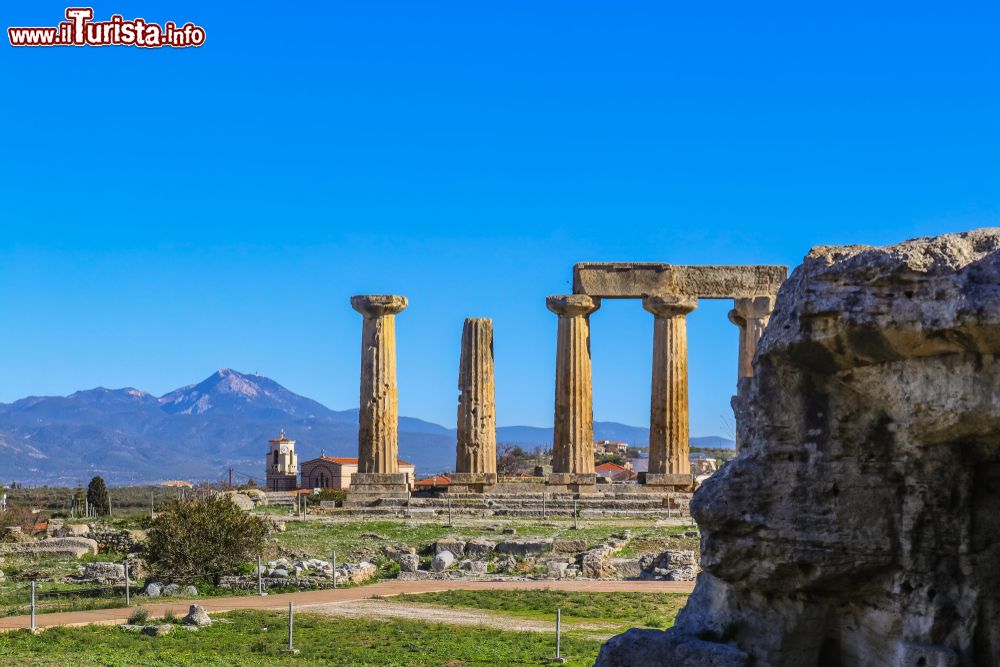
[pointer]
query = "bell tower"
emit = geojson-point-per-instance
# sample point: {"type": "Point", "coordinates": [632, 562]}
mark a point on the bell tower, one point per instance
{"type": "Point", "coordinates": [282, 464]}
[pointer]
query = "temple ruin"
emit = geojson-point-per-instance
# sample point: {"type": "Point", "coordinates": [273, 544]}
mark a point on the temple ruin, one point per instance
{"type": "Point", "coordinates": [668, 292]}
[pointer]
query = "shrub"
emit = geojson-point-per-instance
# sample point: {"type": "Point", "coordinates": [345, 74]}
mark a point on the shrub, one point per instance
{"type": "Point", "coordinates": [200, 540]}
{"type": "Point", "coordinates": [336, 495]}
{"type": "Point", "coordinates": [170, 617]}
{"type": "Point", "coordinates": [139, 616]}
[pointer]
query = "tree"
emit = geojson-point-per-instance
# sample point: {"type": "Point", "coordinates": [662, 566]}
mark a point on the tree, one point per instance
{"type": "Point", "coordinates": [201, 540]}
{"type": "Point", "coordinates": [97, 496]}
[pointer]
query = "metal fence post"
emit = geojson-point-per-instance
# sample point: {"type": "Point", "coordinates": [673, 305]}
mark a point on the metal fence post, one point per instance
{"type": "Point", "coordinates": [558, 633]}
{"type": "Point", "coordinates": [334, 569]}
{"type": "Point", "coordinates": [260, 577]}
{"type": "Point", "coordinates": [449, 512]}
{"type": "Point", "coordinates": [543, 506]}
{"type": "Point", "coordinates": [33, 625]}
{"type": "Point", "coordinates": [576, 525]}
{"type": "Point", "coordinates": [128, 592]}
{"type": "Point", "coordinates": [291, 624]}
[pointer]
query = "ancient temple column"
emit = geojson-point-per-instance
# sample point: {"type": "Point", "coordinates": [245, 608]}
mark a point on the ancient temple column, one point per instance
{"type": "Point", "coordinates": [378, 418]}
{"type": "Point", "coordinates": [668, 414]}
{"type": "Point", "coordinates": [476, 451]}
{"type": "Point", "coordinates": [573, 437]}
{"type": "Point", "coordinates": [751, 316]}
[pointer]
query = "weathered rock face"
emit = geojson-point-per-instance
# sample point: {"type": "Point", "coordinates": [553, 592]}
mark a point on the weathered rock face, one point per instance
{"type": "Point", "coordinates": [860, 524]}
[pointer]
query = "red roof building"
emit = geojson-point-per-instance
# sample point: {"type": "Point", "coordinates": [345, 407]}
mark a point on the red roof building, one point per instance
{"type": "Point", "coordinates": [615, 472]}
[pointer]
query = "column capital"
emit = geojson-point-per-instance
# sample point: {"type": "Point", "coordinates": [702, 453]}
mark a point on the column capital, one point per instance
{"type": "Point", "coordinates": [572, 304]}
{"type": "Point", "coordinates": [669, 306]}
{"type": "Point", "coordinates": [378, 305]}
{"type": "Point", "coordinates": [751, 308]}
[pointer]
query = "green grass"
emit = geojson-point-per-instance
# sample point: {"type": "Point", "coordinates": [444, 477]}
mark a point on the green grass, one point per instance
{"type": "Point", "coordinates": [656, 610]}
{"type": "Point", "coordinates": [252, 638]}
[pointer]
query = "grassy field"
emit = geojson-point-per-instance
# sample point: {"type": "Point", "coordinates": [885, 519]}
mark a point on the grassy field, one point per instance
{"type": "Point", "coordinates": [651, 610]}
{"type": "Point", "coordinates": [250, 638]}
{"type": "Point", "coordinates": [353, 541]}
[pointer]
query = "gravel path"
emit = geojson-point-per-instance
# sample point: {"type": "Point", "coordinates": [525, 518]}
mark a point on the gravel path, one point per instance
{"type": "Point", "coordinates": [430, 613]}
{"type": "Point", "coordinates": [326, 596]}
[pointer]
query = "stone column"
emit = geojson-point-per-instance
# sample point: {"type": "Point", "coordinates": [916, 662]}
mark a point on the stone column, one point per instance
{"type": "Point", "coordinates": [476, 451]}
{"type": "Point", "coordinates": [378, 417]}
{"type": "Point", "coordinates": [573, 436]}
{"type": "Point", "coordinates": [751, 316]}
{"type": "Point", "coordinates": [668, 414]}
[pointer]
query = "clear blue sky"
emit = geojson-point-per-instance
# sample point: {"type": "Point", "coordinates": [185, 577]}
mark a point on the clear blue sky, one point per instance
{"type": "Point", "coordinates": [166, 213]}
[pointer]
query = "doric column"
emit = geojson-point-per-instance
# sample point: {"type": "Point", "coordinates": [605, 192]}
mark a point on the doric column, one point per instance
{"type": "Point", "coordinates": [668, 414]}
{"type": "Point", "coordinates": [476, 452]}
{"type": "Point", "coordinates": [751, 316]}
{"type": "Point", "coordinates": [573, 437]}
{"type": "Point", "coordinates": [378, 417]}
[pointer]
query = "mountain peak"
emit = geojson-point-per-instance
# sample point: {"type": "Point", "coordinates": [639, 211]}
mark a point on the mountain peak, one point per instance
{"type": "Point", "coordinates": [229, 391]}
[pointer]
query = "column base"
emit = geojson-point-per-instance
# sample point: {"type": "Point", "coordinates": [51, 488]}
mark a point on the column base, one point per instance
{"type": "Point", "coordinates": [571, 482]}
{"type": "Point", "coordinates": [472, 482]}
{"type": "Point", "coordinates": [368, 486]}
{"type": "Point", "coordinates": [666, 481]}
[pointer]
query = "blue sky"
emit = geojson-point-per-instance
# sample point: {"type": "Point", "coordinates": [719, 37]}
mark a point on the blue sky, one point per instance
{"type": "Point", "coordinates": [165, 213]}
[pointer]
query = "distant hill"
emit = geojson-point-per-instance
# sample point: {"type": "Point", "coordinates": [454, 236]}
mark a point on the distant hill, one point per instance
{"type": "Point", "coordinates": [197, 431]}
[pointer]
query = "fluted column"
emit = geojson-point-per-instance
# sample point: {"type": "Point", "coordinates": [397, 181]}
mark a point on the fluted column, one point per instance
{"type": "Point", "coordinates": [476, 452]}
{"type": "Point", "coordinates": [668, 415]}
{"type": "Point", "coordinates": [573, 437]}
{"type": "Point", "coordinates": [751, 316]}
{"type": "Point", "coordinates": [378, 417]}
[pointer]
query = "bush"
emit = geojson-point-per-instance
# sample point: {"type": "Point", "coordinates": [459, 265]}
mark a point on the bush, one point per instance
{"type": "Point", "coordinates": [139, 616]}
{"type": "Point", "coordinates": [200, 540]}
{"type": "Point", "coordinates": [336, 495]}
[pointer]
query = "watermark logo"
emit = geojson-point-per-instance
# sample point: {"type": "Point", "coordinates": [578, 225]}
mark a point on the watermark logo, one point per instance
{"type": "Point", "coordinates": [80, 29]}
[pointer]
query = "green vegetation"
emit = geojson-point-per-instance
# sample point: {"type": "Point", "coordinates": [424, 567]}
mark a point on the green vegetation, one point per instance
{"type": "Point", "coordinates": [97, 496]}
{"type": "Point", "coordinates": [200, 540]}
{"type": "Point", "coordinates": [139, 616]}
{"type": "Point", "coordinates": [256, 639]}
{"type": "Point", "coordinates": [655, 610]}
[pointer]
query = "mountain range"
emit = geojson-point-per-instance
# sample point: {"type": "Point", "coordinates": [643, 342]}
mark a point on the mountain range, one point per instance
{"type": "Point", "coordinates": [198, 431]}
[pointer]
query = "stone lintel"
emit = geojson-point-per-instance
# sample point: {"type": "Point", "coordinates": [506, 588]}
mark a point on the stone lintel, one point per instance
{"type": "Point", "coordinates": [634, 280]}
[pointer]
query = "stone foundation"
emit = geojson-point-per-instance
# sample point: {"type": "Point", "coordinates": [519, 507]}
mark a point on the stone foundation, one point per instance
{"type": "Point", "coordinates": [472, 482]}
{"type": "Point", "coordinates": [667, 482]}
{"type": "Point", "coordinates": [571, 482]}
{"type": "Point", "coordinates": [371, 486]}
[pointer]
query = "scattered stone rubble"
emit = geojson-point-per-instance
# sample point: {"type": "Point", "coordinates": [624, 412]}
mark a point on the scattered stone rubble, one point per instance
{"type": "Point", "coordinates": [304, 573]}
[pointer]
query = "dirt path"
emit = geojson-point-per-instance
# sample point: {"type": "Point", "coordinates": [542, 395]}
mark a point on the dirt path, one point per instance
{"type": "Point", "coordinates": [327, 596]}
{"type": "Point", "coordinates": [430, 613]}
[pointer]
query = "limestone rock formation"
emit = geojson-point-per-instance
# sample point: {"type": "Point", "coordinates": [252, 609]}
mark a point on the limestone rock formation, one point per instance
{"type": "Point", "coordinates": [860, 524]}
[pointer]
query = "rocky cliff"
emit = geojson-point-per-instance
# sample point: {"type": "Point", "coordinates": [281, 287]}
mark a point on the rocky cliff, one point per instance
{"type": "Point", "coordinates": [861, 523]}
